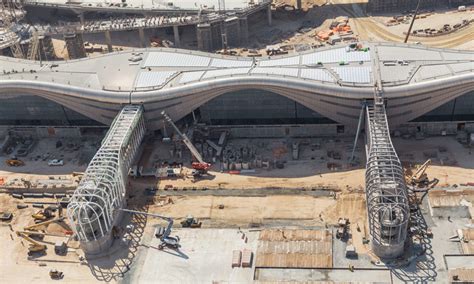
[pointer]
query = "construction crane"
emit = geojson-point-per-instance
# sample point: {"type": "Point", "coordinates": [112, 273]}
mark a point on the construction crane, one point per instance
{"type": "Point", "coordinates": [200, 167]}
{"type": "Point", "coordinates": [34, 246]}
{"type": "Point", "coordinates": [412, 21]}
{"type": "Point", "coordinates": [165, 239]}
{"type": "Point", "coordinates": [420, 176]}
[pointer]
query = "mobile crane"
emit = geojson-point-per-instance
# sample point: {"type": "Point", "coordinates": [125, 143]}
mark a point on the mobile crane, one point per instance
{"type": "Point", "coordinates": [200, 167]}
{"type": "Point", "coordinates": [165, 239]}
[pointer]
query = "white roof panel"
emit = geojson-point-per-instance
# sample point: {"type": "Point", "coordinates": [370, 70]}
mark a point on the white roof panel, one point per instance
{"type": "Point", "coordinates": [294, 60]}
{"type": "Point", "coordinates": [192, 76]}
{"type": "Point", "coordinates": [316, 74]}
{"type": "Point", "coordinates": [293, 72]}
{"type": "Point", "coordinates": [462, 67]}
{"type": "Point", "coordinates": [225, 72]}
{"type": "Point", "coordinates": [390, 53]}
{"type": "Point", "coordinates": [152, 79]}
{"type": "Point", "coordinates": [227, 63]}
{"type": "Point", "coordinates": [335, 55]}
{"type": "Point", "coordinates": [171, 59]}
{"type": "Point", "coordinates": [431, 72]}
{"type": "Point", "coordinates": [354, 74]}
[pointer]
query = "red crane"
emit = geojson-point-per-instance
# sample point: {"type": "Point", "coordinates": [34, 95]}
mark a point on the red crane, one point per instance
{"type": "Point", "coordinates": [200, 167]}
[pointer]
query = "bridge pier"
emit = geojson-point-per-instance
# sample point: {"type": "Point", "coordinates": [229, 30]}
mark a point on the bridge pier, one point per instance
{"type": "Point", "coordinates": [244, 30]}
{"type": "Point", "coordinates": [141, 34]}
{"type": "Point", "coordinates": [269, 15]}
{"type": "Point", "coordinates": [176, 36]}
{"type": "Point", "coordinates": [108, 41]}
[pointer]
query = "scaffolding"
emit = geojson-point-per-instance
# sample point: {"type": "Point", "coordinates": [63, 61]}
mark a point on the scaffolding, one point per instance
{"type": "Point", "coordinates": [94, 207]}
{"type": "Point", "coordinates": [387, 200]}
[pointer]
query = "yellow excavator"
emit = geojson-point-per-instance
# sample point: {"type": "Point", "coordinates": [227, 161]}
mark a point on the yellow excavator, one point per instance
{"type": "Point", "coordinates": [47, 213]}
{"type": "Point", "coordinates": [34, 246]}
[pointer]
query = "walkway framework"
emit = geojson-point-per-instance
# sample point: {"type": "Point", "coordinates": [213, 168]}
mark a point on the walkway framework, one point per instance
{"type": "Point", "coordinates": [387, 201]}
{"type": "Point", "coordinates": [94, 207]}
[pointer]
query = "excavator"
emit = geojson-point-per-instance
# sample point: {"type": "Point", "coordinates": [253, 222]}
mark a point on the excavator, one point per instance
{"type": "Point", "coordinates": [200, 167]}
{"type": "Point", "coordinates": [47, 213]}
{"type": "Point", "coordinates": [34, 246]}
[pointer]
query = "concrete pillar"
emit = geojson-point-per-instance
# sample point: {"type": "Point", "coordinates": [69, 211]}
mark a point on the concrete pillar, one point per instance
{"type": "Point", "coordinates": [176, 36]}
{"type": "Point", "coordinates": [141, 34]}
{"type": "Point", "coordinates": [204, 37]}
{"type": "Point", "coordinates": [244, 30]}
{"type": "Point", "coordinates": [269, 15]}
{"type": "Point", "coordinates": [108, 41]}
{"type": "Point", "coordinates": [232, 31]}
{"type": "Point", "coordinates": [81, 18]}
{"type": "Point", "coordinates": [216, 35]}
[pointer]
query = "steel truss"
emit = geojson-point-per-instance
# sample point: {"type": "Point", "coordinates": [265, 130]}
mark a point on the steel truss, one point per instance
{"type": "Point", "coordinates": [387, 201]}
{"type": "Point", "coordinates": [93, 209]}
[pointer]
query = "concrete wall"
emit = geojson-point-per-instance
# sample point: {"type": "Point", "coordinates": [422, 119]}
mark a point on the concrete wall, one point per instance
{"type": "Point", "coordinates": [294, 131]}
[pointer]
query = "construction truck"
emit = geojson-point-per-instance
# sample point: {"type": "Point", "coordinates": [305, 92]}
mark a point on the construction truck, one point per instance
{"type": "Point", "coordinates": [191, 222]}
{"type": "Point", "coordinates": [200, 167]}
{"type": "Point", "coordinates": [34, 246]}
{"type": "Point", "coordinates": [341, 232]}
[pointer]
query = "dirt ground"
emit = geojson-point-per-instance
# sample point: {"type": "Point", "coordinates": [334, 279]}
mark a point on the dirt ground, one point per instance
{"type": "Point", "coordinates": [299, 28]}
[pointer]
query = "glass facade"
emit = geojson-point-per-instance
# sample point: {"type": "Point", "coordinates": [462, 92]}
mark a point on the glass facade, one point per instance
{"type": "Point", "coordinates": [34, 110]}
{"type": "Point", "coordinates": [246, 107]}
{"type": "Point", "coordinates": [459, 109]}
{"type": "Point", "coordinates": [257, 107]}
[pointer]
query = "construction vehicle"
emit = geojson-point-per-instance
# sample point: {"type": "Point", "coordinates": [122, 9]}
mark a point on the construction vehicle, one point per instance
{"type": "Point", "coordinates": [200, 167]}
{"type": "Point", "coordinates": [165, 239]}
{"type": "Point", "coordinates": [14, 162]}
{"type": "Point", "coordinates": [420, 177]}
{"type": "Point", "coordinates": [55, 274]}
{"type": "Point", "coordinates": [341, 232]}
{"type": "Point", "coordinates": [45, 214]}
{"type": "Point", "coordinates": [34, 246]}
{"type": "Point", "coordinates": [191, 222]}
{"type": "Point", "coordinates": [43, 225]}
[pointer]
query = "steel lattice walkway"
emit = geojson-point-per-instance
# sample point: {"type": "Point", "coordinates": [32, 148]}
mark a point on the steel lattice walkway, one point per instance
{"type": "Point", "coordinates": [93, 207]}
{"type": "Point", "coordinates": [387, 202]}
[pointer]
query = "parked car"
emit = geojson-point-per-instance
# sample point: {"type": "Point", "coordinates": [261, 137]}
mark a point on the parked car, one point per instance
{"type": "Point", "coordinates": [55, 162]}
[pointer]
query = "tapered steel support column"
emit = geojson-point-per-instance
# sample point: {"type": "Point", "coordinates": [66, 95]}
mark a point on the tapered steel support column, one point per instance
{"type": "Point", "coordinates": [269, 15]}
{"type": "Point", "coordinates": [176, 36]}
{"type": "Point", "coordinates": [141, 34]}
{"type": "Point", "coordinates": [108, 41]}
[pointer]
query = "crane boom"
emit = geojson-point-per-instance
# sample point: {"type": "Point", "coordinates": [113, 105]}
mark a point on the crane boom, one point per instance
{"type": "Point", "coordinates": [168, 219]}
{"type": "Point", "coordinates": [185, 138]}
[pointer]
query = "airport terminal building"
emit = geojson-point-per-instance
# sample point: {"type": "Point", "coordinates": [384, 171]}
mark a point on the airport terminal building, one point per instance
{"type": "Point", "coordinates": [319, 87]}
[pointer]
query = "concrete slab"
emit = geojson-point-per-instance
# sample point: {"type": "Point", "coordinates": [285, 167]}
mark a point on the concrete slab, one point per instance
{"type": "Point", "coordinates": [205, 256]}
